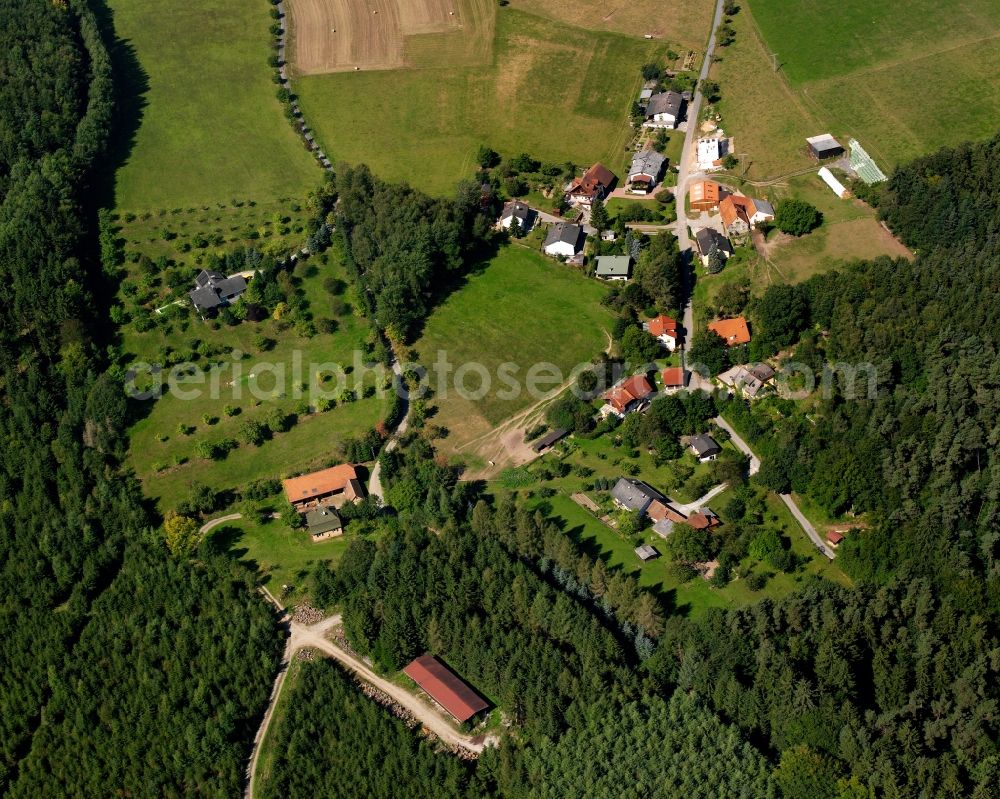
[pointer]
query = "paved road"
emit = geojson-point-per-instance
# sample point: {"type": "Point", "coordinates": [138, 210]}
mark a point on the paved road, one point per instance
{"type": "Point", "coordinates": [683, 176]}
{"type": "Point", "coordinates": [740, 444]}
{"type": "Point", "coordinates": [806, 525]}
{"type": "Point", "coordinates": [375, 479]}
{"type": "Point", "coordinates": [786, 498]}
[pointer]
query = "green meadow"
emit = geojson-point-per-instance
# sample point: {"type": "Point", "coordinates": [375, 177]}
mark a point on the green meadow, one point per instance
{"type": "Point", "coordinates": [211, 127]}
{"type": "Point", "coordinates": [520, 307]}
{"type": "Point", "coordinates": [164, 440]}
{"type": "Point", "coordinates": [903, 78]}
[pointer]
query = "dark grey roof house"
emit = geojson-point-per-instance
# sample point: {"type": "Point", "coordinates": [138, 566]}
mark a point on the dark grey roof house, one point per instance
{"type": "Point", "coordinates": [704, 446]}
{"type": "Point", "coordinates": [323, 522]}
{"type": "Point", "coordinates": [647, 164]}
{"type": "Point", "coordinates": [524, 215]}
{"type": "Point", "coordinates": [708, 236]}
{"type": "Point", "coordinates": [634, 494]}
{"type": "Point", "coordinates": [563, 238]}
{"type": "Point", "coordinates": [665, 108]}
{"type": "Point", "coordinates": [215, 290]}
{"type": "Point", "coordinates": [762, 371]}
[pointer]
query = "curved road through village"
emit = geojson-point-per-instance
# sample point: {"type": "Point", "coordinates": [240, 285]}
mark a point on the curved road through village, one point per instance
{"type": "Point", "coordinates": [684, 176]}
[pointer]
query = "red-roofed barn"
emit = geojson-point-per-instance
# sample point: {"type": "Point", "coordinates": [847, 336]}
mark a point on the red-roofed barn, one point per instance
{"type": "Point", "coordinates": [445, 687]}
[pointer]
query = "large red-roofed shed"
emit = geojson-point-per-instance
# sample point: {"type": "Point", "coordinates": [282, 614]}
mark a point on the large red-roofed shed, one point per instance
{"type": "Point", "coordinates": [445, 687]}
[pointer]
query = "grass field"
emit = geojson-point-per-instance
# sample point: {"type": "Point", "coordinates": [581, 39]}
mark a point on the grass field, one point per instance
{"type": "Point", "coordinates": [555, 91]}
{"type": "Point", "coordinates": [521, 308]}
{"type": "Point", "coordinates": [211, 127]}
{"type": "Point", "coordinates": [281, 556]}
{"type": "Point", "coordinates": [902, 78]}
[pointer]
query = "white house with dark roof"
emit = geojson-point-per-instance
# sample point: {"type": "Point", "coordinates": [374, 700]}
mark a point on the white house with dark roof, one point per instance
{"type": "Point", "coordinates": [664, 110]}
{"type": "Point", "coordinates": [564, 239]}
{"type": "Point", "coordinates": [635, 495]}
{"type": "Point", "coordinates": [520, 211]}
{"type": "Point", "coordinates": [213, 290]}
{"type": "Point", "coordinates": [704, 447]}
{"type": "Point", "coordinates": [709, 237]}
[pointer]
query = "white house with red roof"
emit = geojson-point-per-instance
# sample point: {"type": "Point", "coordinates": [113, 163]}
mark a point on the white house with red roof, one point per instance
{"type": "Point", "coordinates": [665, 329]}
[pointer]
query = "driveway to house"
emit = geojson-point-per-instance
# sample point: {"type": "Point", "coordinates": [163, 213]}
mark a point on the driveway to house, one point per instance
{"type": "Point", "coordinates": [804, 523]}
{"type": "Point", "coordinates": [701, 502]}
{"type": "Point", "coordinates": [375, 478]}
{"type": "Point", "coordinates": [683, 176]}
{"type": "Point", "coordinates": [232, 517]}
{"type": "Point", "coordinates": [551, 219]}
{"type": "Point", "coordinates": [741, 445]}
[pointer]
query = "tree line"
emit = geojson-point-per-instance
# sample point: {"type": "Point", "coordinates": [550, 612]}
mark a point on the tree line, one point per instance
{"type": "Point", "coordinates": [118, 674]}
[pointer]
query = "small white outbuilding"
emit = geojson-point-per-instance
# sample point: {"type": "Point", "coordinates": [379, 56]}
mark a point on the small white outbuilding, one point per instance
{"type": "Point", "coordinates": [832, 182]}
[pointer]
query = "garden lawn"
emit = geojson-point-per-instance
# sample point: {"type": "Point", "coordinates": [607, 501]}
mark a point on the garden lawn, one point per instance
{"type": "Point", "coordinates": [281, 556]}
{"type": "Point", "coordinates": [520, 308]}
{"type": "Point", "coordinates": [211, 127]}
{"type": "Point", "coordinates": [697, 595]}
{"type": "Point", "coordinates": [558, 92]}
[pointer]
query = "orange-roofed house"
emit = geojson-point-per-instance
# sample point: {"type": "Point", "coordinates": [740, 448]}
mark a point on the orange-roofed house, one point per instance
{"type": "Point", "coordinates": [740, 213]}
{"type": "Point", "coordinates": [594, 184]}
{"type": "Point", "coordinates": [705, 195]}
{"type": "Point", "coordinates": [334, 486]}
{"type": "Point", "coordinates": [734, 218]}
{"type": "Point", "coordinates": [703, 519]}
{"type": "Point", "coordinates": [834, 538]}
{"type": "Point", "coordinates": [665, 329]}
{"type": "Point", "coordinates": [732, 331]}
{"type": "Point", "coordinates": [674, 378]}
{"type": "Point", "coordinates": [627, 396]}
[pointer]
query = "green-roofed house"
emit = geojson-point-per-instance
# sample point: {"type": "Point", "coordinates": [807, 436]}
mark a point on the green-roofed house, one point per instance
{"type": "Point", "coordinates": [324, 522]}
{"type": "Point", "coordinates": [613, 267]}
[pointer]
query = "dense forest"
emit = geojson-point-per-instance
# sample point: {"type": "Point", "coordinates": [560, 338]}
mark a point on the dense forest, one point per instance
{"type": "Point", "coordinates": [921, 455]}
{"type": "Point", "coordinates": [116, 676]}
{"type": "Point", "coordinates": [666, 749]}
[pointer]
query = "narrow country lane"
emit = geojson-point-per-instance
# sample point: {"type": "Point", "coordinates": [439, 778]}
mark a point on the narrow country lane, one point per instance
{"type": "Point", "coordinates": [375, 478]}
{"type": "Point", "coordinates": [683, 176]}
